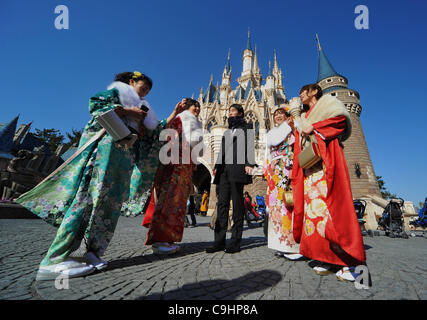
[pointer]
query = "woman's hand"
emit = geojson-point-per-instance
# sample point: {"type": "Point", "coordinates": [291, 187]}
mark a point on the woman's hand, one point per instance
{"type": "Point", "coordinates": [135, 112]}
{"type": "Point", "coordinates": [180, 106]}
{"type": "Point", "coordinates": [120, 110]}
{"type": "Point", "coordinates": [306, 131]}
{"type": "Point", "coordinates": [248, 170]}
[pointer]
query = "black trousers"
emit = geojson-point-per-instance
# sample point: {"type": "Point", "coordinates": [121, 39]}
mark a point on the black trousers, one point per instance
{"type": "Point", "coordinates": [227, 190]}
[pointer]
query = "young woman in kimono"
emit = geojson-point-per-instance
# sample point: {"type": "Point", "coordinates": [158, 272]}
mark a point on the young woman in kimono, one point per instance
{"type": "Point", "coordinates": [173, 182]}
{"type": "Point", "coordinates": [325, 223]}
{"type": "Point", "coordinates": [83, 199]}
{"type": "Point", "coordinates": [277, 172]}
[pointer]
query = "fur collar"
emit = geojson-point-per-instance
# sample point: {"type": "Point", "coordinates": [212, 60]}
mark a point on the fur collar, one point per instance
{"type": "Point", "coordinates": [191, 128]}
{"type": "Point", "coordinates": [278, 134]}
{"type": "Point", "coordinates": [329, 107]}
{"type": "Point", "coordinates": [129, 98]}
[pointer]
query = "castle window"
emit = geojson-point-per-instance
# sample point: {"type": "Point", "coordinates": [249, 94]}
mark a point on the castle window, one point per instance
{"type": "Point", "coordinates": [211, 124]}
{"type": "Point", "coordinates": [329, 80]}
{"type": "Point", "coordinates": [253, 123]}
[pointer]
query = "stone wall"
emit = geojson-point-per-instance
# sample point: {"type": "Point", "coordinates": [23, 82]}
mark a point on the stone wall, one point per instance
{"type": "Point", "coordinates": [356, 153]}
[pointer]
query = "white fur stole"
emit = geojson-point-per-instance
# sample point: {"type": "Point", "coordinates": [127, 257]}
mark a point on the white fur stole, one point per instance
{"type": "Point", "coordinates": [129, 98]}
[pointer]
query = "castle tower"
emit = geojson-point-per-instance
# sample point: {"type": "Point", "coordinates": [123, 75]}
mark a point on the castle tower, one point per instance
{"type": "Point", "coordinates": [362, 175]}
{"type": "Point", "coordinates": [247, 64]}
{"type": "Point", "coordinates": [259, 98]}
{"type": "Point", "coordinates": [225, 88]}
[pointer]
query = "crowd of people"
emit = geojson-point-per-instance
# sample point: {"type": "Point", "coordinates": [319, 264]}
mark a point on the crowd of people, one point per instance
{"type": "Point", "coordinates": [310, 208]}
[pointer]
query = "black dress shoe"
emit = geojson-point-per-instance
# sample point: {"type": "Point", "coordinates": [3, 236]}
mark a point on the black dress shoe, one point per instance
{"type": "Point", "coordinates": [232, 250]}
{"type": "Point", "coordinates": [214, 249]}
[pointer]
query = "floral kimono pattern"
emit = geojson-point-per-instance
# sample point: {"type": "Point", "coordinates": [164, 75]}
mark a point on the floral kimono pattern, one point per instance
{"type": "Point", "coordinates": [84, 198]}
{"type": "Point", "coordinates": [277, 174]}
{"type": "Point", "coordinates": [145, 167]}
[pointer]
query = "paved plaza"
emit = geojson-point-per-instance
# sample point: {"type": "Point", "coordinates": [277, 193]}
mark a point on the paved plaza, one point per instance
{"type": "Point", "coordinates": [398, 268]}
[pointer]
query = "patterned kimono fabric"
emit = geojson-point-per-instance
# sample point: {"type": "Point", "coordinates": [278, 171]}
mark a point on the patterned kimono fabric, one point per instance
{"type": "Point", "coordinates": [327, 225]}
{"type": "Point", "coordinates": [277, 173]}
{"type": "Point", "coordinates": [173, 186]}
{"type": "Point", "coordinates": [143, 172]}
{"type": "Point", "coordinates": [84, 198]}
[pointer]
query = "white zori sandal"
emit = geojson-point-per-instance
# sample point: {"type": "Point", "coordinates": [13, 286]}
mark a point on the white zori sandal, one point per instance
{"type": "Point", "coordinates": [347, 274]}
{"type": "Point", "coordinates": [96, 262]}
{"type": "Point", "coordinates": [69, 268]}
{"type": "Point", "coordinates": [323, 269]}
{"type": "Point", "coordinates": [293, 256]}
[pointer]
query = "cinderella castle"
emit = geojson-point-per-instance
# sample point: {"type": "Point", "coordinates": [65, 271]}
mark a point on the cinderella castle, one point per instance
{"type": "Point", "coordinates": [260, 98]}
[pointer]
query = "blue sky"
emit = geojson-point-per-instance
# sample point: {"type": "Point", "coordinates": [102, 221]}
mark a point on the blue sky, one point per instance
{"type": "Point", "coordinates": [48, 75]}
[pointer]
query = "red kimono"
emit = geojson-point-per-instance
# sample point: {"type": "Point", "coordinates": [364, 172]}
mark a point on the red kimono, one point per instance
{"type": "Point", "coordinates": [325, 222]}
{"type": "Point", "coordinates": [173, 183]}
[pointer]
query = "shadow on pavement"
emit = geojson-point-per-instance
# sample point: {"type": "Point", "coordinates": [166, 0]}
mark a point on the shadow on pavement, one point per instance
{"type": "Point", "coordinates": [186, 249]}
{"type": "Point", "coordinates": [221, 288]}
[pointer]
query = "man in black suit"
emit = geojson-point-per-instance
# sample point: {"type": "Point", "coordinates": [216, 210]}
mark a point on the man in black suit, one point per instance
{"type": "Point", "coordinates": [232, 171]}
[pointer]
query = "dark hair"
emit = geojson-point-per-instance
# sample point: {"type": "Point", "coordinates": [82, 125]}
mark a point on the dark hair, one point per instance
{"type": "Point", "coordinates": [125, 77]}
{"type": "Point", "coordinates": [190, 102]}
{"type": "Point", "coordinates": [239, 108]}
{"type": "Point", "coordinates": [280, 110]}
{"type": "Point", "coordinates": [311, 87]}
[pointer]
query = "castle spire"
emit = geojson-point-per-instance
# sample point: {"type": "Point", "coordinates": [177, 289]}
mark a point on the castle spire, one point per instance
{"type": "Point", "coordinates": [276, 67]}
{"type": "Point", "coordinates": [326, 69]}
{"type": "Point", "coordinates": [248, 44]}
{"type": "Point", "coordinates": [269, 68]}
{"type": "Point", "coordinates": [256, 67]}
{"type": "Point", "coordinates": [227, 68]}
{"type": "Point", "coordinates": [318, 42]}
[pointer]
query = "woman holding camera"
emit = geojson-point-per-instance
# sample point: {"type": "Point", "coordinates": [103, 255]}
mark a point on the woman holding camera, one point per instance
{"type": "Point", "coordinates": [84, 197]}
{"type": "Point", "coordinates": [325, 223]}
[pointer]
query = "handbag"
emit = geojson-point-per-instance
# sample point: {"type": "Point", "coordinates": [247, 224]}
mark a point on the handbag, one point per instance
{"type": "Point", "coordinates": [310, 155]}
{"type": "Point", "coordinates": [289, 197]}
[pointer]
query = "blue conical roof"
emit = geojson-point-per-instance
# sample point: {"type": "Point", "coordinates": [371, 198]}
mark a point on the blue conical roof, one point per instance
{"type": "Point", "coordinates": [7, 133]}
{"type": "Point", "coordinates": [326, 69]}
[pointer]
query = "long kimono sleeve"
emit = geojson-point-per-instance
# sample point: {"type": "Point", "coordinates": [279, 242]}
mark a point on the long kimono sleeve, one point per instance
{"type": "Point", "coordinates": [330, 128]}
{"type": "Point", "coordinates": [103, 102]}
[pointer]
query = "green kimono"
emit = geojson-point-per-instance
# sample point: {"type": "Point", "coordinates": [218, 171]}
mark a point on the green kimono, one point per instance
{"type": "Point", "coordinates": [84, 199]}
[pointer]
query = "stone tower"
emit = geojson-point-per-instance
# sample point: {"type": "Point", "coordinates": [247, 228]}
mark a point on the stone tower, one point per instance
{"type": "Point", "coordinates": [362, 174]}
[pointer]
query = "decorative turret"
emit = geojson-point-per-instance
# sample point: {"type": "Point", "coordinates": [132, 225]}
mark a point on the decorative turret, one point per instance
{"type": "Point", "coordinates": [226, 74]}
{"type": "Point", "coordinates": [247, 58]}
{"type": "Point", "coordinates": [256, 71]}
{"type": "Point", "coordinates": [209, 95]}
{"type": "Point", "coordinates": [362, 175]}
{"type": "Point", "coordinates": [269, 81]}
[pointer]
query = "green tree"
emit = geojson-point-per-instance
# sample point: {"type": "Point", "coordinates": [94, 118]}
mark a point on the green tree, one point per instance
{"type": "Point", "coordinates": [73, 138]}
{"type": "Point", "coordinates": [52, 137]}
{"type": "Point", "coordinates": [384, 192]}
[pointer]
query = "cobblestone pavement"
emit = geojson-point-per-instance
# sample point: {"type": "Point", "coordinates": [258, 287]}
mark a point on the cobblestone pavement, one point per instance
{"type": "Point", "coordinates": [398, 268]}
